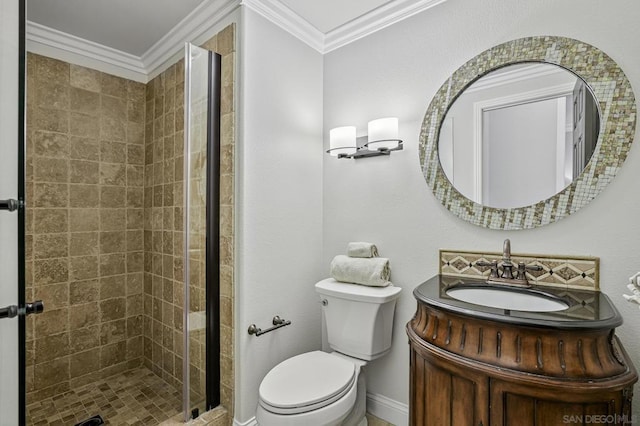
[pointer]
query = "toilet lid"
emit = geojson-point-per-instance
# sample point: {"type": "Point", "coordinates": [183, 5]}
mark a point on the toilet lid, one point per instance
{"type": "Point", "coordinates": [307, 381]}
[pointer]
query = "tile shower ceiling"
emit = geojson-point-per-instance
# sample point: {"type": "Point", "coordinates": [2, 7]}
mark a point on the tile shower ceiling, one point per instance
{"type": "Point", "coordinates": [129, 26]}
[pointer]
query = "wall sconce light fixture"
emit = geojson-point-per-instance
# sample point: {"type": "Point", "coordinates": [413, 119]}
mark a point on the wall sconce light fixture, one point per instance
{"type": "Point", "coordinates": [382, 138]}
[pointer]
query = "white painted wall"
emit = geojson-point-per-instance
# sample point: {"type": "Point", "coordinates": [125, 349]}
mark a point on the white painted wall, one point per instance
{"type": "Point", "coordinates": [385, 200]}
{"type": "Point", "coordinates": [279, 202]}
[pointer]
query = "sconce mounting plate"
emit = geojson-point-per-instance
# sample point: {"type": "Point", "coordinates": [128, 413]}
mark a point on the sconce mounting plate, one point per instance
{"type": "Point", "coordinates": [365, 150]}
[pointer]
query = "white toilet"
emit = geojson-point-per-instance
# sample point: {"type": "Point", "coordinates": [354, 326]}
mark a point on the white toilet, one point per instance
{"type": "Point", "coordinates": [318, 388]}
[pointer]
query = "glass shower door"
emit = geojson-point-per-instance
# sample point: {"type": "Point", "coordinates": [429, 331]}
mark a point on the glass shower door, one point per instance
{"type": "Point", "coordinates": [201, 237]}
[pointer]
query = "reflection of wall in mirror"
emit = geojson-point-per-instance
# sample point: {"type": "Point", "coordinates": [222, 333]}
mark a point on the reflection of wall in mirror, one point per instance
{"type": "Point", "coordinates": [467, 165]}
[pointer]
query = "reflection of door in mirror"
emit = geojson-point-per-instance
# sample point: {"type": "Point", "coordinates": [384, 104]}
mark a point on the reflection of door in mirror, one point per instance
{"type": "Point", "coordinates": [525, 160]}
{"type": "Point", "coordinates": [585, 127]}
{"type": "Point", "coordinates": [509, 138]}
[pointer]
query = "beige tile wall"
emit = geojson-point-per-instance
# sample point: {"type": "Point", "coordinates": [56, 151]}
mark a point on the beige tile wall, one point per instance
{"type": "Point", "coordinates": [85, 156]}
{"type": "Point", "coordinates": [163, 288]}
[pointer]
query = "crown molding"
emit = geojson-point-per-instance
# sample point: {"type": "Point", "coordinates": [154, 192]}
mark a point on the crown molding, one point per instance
{"type": "Point", "coordinates": [513, 76]}
{"type": "Point", "coordinates": [202, 23]}
{"type": "Point", "coordinates": [196, 27]}
{"type": "Point", "coordinates": [375, 20]}
{"type": "Point", "coordinates": [281, 15]}
{"type": "Point", "coordinates": [57, 44]}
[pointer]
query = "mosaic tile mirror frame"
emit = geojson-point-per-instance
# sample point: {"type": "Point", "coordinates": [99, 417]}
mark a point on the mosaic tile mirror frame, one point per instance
{"type": "Point", "coordinates": [608, 84]}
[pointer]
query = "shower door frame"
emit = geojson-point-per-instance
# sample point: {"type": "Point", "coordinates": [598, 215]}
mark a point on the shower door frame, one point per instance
{"type": "Point", "coordinates": [212, 284]}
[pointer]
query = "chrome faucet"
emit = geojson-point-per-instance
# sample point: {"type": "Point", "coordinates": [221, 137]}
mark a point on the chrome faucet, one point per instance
{"type": "Point", "coordinates": [507, 265]}
{"type": "Point", "coordinates": [502, 273]}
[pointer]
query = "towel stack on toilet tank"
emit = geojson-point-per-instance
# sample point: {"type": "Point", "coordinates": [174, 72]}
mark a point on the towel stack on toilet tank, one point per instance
{"type": "Point", "coordinates": [362, 266]}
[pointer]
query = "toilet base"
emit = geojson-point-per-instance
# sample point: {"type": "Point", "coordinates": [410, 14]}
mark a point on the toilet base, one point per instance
{"type": "Point", "coordinates": [358, 415]}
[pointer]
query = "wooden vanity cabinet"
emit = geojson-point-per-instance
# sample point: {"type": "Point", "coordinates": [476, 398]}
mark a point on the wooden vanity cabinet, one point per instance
{"type": "Point", "coordinates": [515, 404]}
{"type": "Point", "coordinates": [468, 371]}
{"type": "Point", "coordinates": [445, 393]}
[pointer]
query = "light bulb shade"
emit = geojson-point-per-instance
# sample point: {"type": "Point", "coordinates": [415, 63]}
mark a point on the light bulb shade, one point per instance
{"type": "Point", "coordinates": [383, 133]}
{"type": "Point", "coordinates": [342, 140]}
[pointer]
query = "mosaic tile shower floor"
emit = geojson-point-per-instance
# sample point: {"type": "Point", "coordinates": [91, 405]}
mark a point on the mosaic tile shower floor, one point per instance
{"type": "Point", "coordinates": [136, 397]}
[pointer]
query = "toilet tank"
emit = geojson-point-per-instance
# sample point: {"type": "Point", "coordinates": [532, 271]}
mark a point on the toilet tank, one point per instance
{"type": "Point", "coordinates": [359, 319]}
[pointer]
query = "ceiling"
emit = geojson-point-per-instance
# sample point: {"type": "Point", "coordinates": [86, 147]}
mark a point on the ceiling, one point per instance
{"type": "Point", "coordinates": [134, 27]}
{"type": "Point", "coordinates": [138, 39]}
{"type": "Point", "coordinates": [125, 25]}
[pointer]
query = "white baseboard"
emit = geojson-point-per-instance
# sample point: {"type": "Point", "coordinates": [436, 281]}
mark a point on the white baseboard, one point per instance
{"type": "Point", "coordinates": [380, 406]}
{"type": "Point", "coordinates": [251, 422]}
{"type": "Point", "coordinates": [387, 409]}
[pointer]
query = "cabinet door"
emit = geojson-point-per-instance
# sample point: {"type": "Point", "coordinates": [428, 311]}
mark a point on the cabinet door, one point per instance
{"type": "Point", "coordinates": [513, 405]}
{"type": "Point", "coordinates": [444, 394]}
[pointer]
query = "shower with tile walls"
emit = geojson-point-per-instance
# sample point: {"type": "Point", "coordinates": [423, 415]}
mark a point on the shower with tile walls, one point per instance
{"type": "Point", "coordinates": [111, 203]}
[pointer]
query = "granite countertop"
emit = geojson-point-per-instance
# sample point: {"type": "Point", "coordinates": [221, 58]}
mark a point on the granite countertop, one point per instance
{"type": "Point", "coordinates": [587, 309]}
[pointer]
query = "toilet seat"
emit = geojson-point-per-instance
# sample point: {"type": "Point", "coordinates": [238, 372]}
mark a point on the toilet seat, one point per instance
{"type": "Point", "coordinates": [307, 382]}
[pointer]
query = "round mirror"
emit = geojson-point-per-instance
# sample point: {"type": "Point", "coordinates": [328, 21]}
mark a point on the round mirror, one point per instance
{"type": "Point", "coordinates": [503, 187]}
{"type": "Point", "coordinates": [518, 135]}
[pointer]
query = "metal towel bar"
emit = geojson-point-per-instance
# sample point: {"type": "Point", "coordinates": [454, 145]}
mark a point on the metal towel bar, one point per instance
{"type": "Point", "coordinates": [277, 323]}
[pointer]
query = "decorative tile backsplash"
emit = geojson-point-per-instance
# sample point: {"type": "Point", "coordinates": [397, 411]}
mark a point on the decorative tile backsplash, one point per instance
{"type": "Point", "coordinates": [574, 272]}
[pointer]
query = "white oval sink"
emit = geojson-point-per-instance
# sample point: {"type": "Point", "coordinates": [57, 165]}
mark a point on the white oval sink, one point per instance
{"type": "Point", "coordinates": [508, 298]}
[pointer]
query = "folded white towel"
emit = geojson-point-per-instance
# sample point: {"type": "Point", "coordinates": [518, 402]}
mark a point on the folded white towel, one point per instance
{"type": "Point", "coordinates": [361, 249]}
{"type": "Point", "coordinates": [373, 271]}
